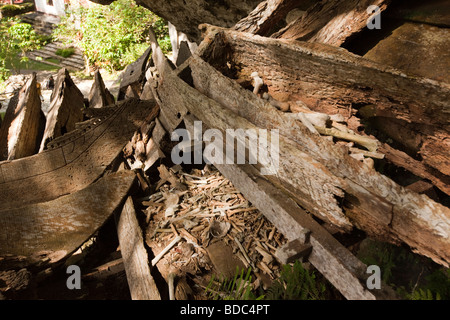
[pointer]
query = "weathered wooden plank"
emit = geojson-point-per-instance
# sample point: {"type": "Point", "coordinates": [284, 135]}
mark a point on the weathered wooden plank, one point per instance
{"type": "Point", "coordinates": [23, 125]}
{"type": "Point", "coordinates": [99, 95]}
{"type": "Point", "coordinates": [417, 49]}
{"type": "Point", "coordinates": [327, 78]}
{"type": "Point", "coordinates": [133, 75]}
{"type": "Point", "coordinates": [266, 15]}
{"type": "Point", "coordinates": [135, 258]}
{"type": "Point", "coordinates": [66, 108]}
{"type": "Point", "coordinates": [60, 226]}
{"type": "Point", "coordinates": [75, 160]}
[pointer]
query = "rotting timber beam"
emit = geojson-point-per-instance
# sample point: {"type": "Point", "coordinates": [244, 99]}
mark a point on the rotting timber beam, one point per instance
{"type": "Point", "coordinates": [332, 259]}
{"type": "Point", "coordinates": [266, 15]}
{"type": "Point", "coordinates": [332, 80]}
{"type": "Point", "coordinates": [135, 258]}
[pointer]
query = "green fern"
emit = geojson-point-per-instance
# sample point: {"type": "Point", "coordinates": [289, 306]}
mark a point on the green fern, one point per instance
{"type": "Point", "coordinates": [296, 283]}
{"type": "Point", "coordinates": [422, 294]}
{"type": "Point", "coordinates": [238, 288]}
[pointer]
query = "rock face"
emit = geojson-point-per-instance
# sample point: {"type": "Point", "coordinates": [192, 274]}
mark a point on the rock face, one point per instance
{"type": "Point", "coordinates": [417, 49]}
{"type": "Point", "coordinates": [187, 15]}
{"type": "Point", "coordinates": [23, 125]}
{"type": "Point", "coordinates": [99, 96]}
{"type": "Point", "coordinates": [66, 108]}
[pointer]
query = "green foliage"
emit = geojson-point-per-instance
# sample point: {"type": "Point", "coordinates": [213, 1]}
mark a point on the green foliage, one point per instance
{"type": "Point", "coordinates": [296, 283]}
{"type": "Point", "coordinates": [113, 36]}
{"type": "Point", "coordinates": [422, 294]}
{"type": "Point", "coordinates": [435, 287]}
{"type": "Point", "coordinates": [65, 52]}
{"type": "Point", "coordinates": [412, 276]}
{"type": "Point", "coordinates": [23, 37]}
{"type": "Point", "coordinates": [15, 38]}
{"type": "Point", "coordinates": [238, 288]}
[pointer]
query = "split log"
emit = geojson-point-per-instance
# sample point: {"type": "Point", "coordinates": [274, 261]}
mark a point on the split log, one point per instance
{"type": "Point", "coordinates": [23, 125]}
{"type": "Point", "coordinates": [99, 95]}
{"type": "Point", "coordinates": [75, 160]}
{"type": "Point", "coordinates": [135, 258]}
{"type": "Point", "coordinates": [62, 225]}
{"type": "Point", "coordinates": [314, 171]}
{"type": "Point", "coordinates": [66, 108]}
{"type": "Point", "coordinates": [266, 15]}
{"type": "Point", "coordinates": [326, 78]}
{"type": "Point", "coordinates": [331, 22]}
{"type": "Point", "coordinates": [332, 80]}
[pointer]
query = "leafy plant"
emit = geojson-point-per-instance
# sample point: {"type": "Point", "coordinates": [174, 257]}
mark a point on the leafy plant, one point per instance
{"type": "Point", "coordinates": [422, 294]}
{"type": "Point", "coordinates": [15, 38]}
{"type": "Point", "coordinates": [65, 52]}
{"type": "Point", "coordinates": [238, 288]}
{"type": "Point", "coordinates": [113, 36]}
{"type": "Point", "coordinates": [296, 283]}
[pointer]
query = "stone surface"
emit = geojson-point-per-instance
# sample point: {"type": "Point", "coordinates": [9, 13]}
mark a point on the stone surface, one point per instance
{"type": "Point", "coordinates": [223, 259]}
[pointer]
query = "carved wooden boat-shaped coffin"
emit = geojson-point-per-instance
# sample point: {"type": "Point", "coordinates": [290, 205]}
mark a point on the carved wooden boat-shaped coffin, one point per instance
{"type": "Point", "coordinates": [55, 200]}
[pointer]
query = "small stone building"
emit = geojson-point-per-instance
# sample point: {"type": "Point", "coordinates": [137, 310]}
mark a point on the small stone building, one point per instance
{"type": "Point", "coordinates": [54, 7]}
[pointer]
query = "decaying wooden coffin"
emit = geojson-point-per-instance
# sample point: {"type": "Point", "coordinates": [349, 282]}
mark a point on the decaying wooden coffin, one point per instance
{"type": "Point", "coordinates": [55, 200]}
{"type": "Point", "coordinates": [318, 174]}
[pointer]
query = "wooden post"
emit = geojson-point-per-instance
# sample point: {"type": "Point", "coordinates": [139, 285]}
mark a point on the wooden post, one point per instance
{"type": "Point", "coordinates": [140, 281]}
